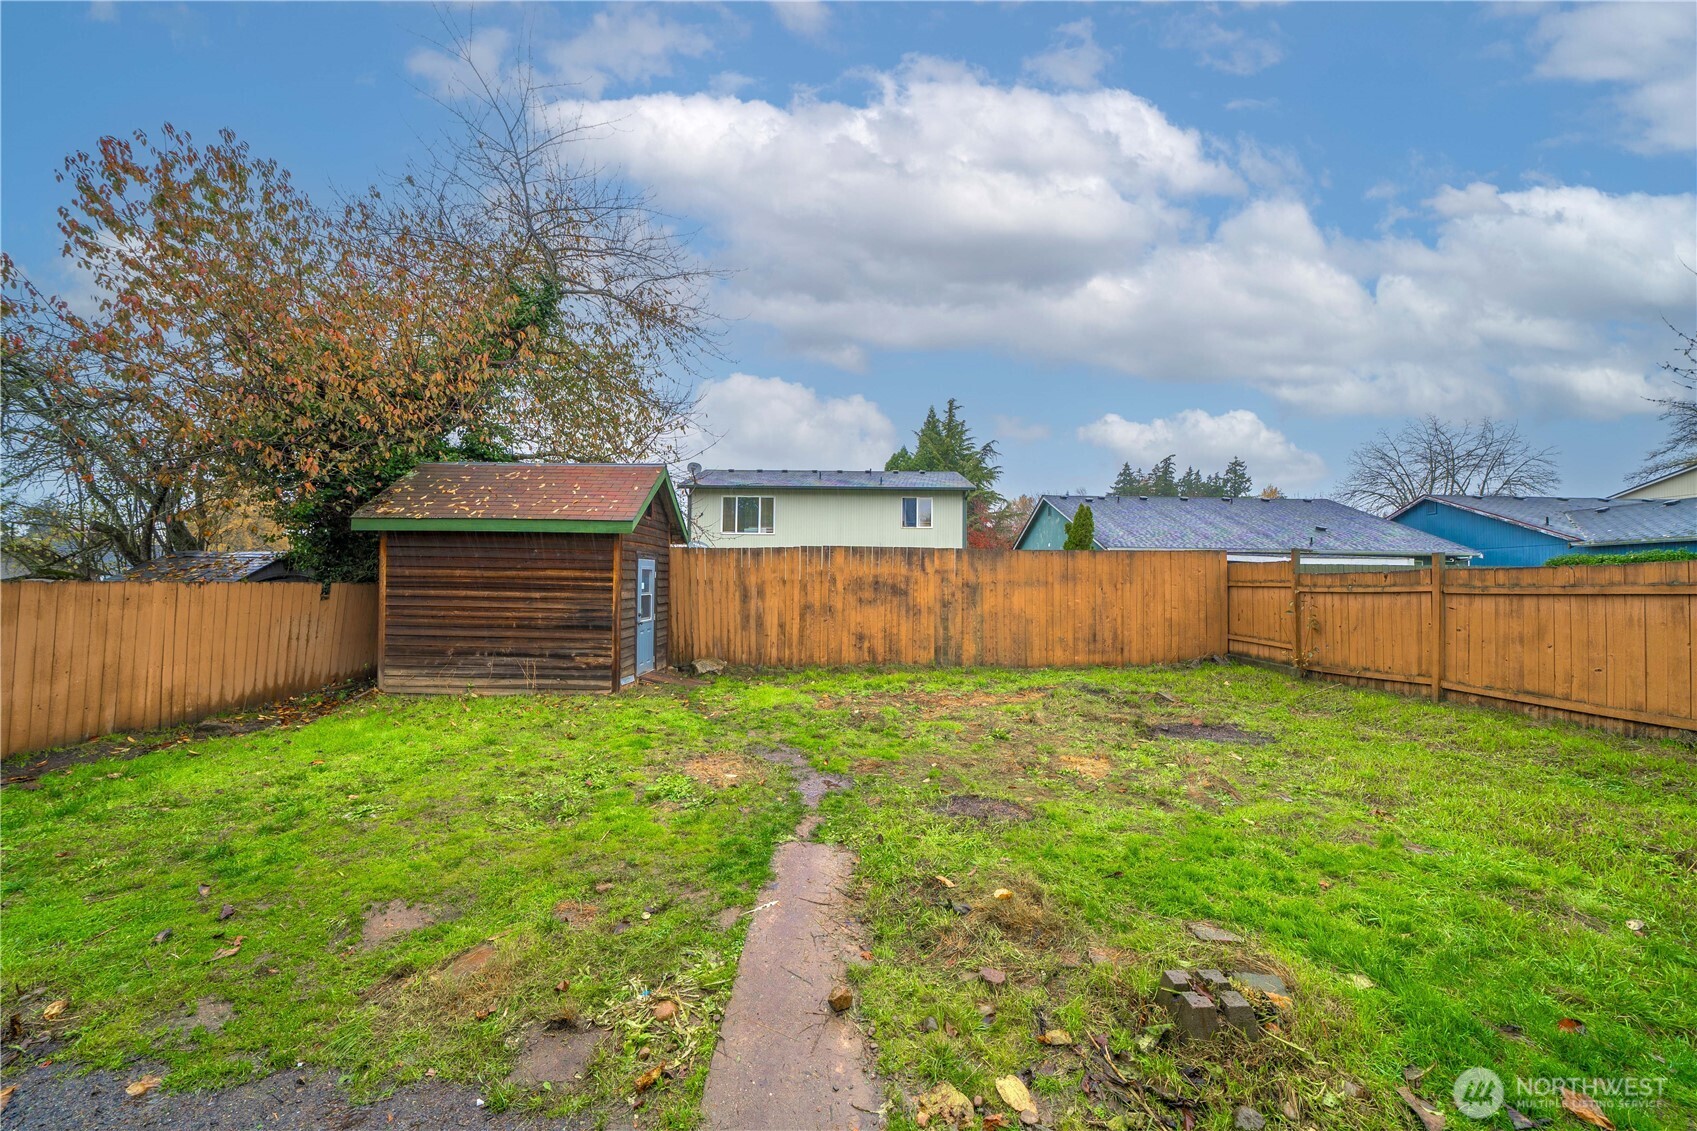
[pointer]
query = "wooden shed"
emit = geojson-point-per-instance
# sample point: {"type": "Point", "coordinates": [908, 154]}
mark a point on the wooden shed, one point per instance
{"type": "Point", "coordinates": [523, 577]}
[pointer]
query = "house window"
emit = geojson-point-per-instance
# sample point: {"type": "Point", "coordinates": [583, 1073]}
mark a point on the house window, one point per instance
{"type": "Point", "coordinates": [916, 513]}
{"type": "Point", "coordinates": [746, 514]}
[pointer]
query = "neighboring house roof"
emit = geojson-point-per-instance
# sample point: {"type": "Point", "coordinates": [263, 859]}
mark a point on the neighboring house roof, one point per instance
{"type": "Point", "coordinates": [594, 498]}
{"type": "Point", "coordinates": [832, 480]}
{"type": "Point", "coordinates": [1246, 525]}
{"type": "Point", "coordinates": [213, 565]}
{"type": "Point", "coordinates": [1583, 521]}
{"type": "Point", "coordinates": [1657, 481]}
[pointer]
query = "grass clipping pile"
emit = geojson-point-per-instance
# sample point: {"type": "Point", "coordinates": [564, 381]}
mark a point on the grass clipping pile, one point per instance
{"type": "Point", "coordinates": [663, 1028]}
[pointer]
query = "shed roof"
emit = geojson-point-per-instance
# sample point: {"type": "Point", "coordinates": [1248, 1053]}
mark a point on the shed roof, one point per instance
{"type": "Point", "coordinates": [595, 498]}
{"type": "Point", "coordinates": [1583, 521]}
{"type": "Point", "coordinates": [832, 480]}
{"type": "Point", "coordinates": [1260, 526]}
{"type": "Point", "coordinates": [214, 565]}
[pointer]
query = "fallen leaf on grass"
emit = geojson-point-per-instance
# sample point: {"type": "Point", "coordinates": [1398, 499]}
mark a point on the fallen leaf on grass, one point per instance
{"type": "Point", "coordinates": [1430, 1118]}
{"type": "Point", "coordinates": [992, 975]}
{"type": "Point", "coordinates": [995, 1121]}
{"type": "Point", "coordinates": [1583, 1107]}
{"type": "Point", "coordinates": [143, 1086]}
{"type": "Point", "coordinates": [1520, 1121]}
{"type": "Point", "coordinates": [647, 1079]}
{"type": "Point", "coordinates": [945, 1103]}
{"type": "Point", "coordinates": [162, 936]}
{"type": "Point", "coordinates": [226, 911]}
{"type": "Point", "coordinates": [1361, 981]}
{"type": "Point", "coordinates": [1002, 893]}
{"type": "Point", "coordinates": [1636, 926]}
{"type": "Point", "coordinates": [1015, 1094]}
{"type": "Point", "coordinates": [6, 1095]}
{"type": "Point", "coordinates": [205, 890]}
{"type": "Point", "coordinates": [55, 1011]}
{"type": "Point", "coordinates": [232, 950]}
{"type": "Point", "coordinates": [945, 881]}
{"type": "Point", "coordinates": [1056, 1037]}
{"type": "Point", "coordinates": [562, 986]}
{"type": "Point", "coordinates": [1570, 1025]}
{"type": "Point", "coordinates": [483, 1014]}
{"type": "Point", "coordinates": [1279, 1001]}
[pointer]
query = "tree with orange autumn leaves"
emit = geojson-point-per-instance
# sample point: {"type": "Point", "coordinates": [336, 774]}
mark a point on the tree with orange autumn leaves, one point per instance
{"type": "Point", "coordinates": [495, 302]}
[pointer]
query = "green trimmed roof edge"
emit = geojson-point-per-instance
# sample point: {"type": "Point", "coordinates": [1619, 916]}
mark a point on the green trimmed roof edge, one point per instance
{"type": "Point", "coordinates": [538, 525]}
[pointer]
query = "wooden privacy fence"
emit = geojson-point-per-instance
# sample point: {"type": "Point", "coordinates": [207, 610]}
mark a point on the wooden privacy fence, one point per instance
{"type": "Point", "coordinates": [89, 658]}
{"type": "Point", "coordinates": [1614, 642]}
{"type": "Point", "coordinates": [954, 608]}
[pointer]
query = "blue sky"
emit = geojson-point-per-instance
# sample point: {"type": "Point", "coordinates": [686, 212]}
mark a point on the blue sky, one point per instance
{"type": "Point", "coordinates": [1113, 231]}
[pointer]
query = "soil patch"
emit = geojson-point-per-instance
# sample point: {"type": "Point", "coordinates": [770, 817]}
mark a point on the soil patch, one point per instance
{"type": "Point", "coordinates": [1085, 766]}
{"type": "Point", "coordinates": [983, 808]}
{"type": "Point", "coordinates": [721, 771]}
{"type": "Point", "coordinates": [472, 961]}
{"type": "Point", "coordinates": [575, 915]}
{"type": "Point", "coordinates": [1210, 732]}
{"type": "Point", "coordinates": [209, 1013]}
{"type": "Point", "coordinates": [557, 1058]}
{"type": "Point", "coordinates": [396, 917]}
{"type": "Point", "coordinates": [22, 770]}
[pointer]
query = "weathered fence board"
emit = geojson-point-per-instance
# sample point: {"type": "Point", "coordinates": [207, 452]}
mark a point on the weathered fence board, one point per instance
{"type": "Point", "coordinates": [871, 605]}
{"type": "Point", "coordinates": [88, 658]}
{"type": "Point", "coordinates": [1613, 642]}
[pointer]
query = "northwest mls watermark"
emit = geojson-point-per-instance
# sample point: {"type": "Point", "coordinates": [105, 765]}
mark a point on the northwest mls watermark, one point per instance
{"type": "Point", "coordinates": [1480, 1093]}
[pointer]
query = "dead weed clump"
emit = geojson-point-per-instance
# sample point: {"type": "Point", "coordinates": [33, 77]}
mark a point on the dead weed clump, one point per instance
{"type": "Point", "coordinates": [1204, 790]}
{"type": "Point", "coordinates": [1018, 914]}
{"type": "Point", "coordinates": [722, 771]}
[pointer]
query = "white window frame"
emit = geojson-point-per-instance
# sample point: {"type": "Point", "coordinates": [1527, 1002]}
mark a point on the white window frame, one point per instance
{"type": "Point", "coordinates": [920, 521]}
{"type": "Point", "coordinates": [767, 508]}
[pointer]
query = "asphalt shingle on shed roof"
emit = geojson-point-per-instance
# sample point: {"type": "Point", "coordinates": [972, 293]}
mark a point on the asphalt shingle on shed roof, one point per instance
{"type": "Point", "coordinates": [832, 480]}
{"type": "Point", "coordinates": [548, 492]}
{"type": "Point", "coordinates": [1247, 526]}
{"type": "Point", "coordinates": [1586, 521]}
{"type": "Point", "coordinates": [198, 566]}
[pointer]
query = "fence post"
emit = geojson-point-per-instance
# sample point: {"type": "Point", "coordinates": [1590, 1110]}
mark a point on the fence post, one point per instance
{"type": "Point", "coordinates": [1297, 655]}
{"type": "Point", "coordinates": [1437, 626]}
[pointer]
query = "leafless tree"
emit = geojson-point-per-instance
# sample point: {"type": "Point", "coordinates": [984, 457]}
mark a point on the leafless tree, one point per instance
{"type": "Point", "coordinates": [1679, 450]}
{"type": "Point", "coordinates": [1430, 456]}
{"type": "Point", "coordinates": [621, 317]}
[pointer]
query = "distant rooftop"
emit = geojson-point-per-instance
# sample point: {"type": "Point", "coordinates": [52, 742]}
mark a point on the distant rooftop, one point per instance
{"type": "Point", "coordinates": [212, 565]}
{"type": "Point", "coordinates": [831, 480]}
{"type": "Point", "coordinates": [1248, 526]}
{"type": "Point", "coordinates": [1582, 520]}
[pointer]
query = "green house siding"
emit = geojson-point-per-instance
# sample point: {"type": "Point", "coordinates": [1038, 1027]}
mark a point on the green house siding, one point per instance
{"type": "Point", "coordinates": [1048, 530]}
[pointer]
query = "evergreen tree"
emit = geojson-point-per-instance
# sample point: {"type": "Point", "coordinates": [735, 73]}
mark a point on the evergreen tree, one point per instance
{"type": "Point", "coordinates": [1081, 531]}
{"type": "Point", "coordinates": [946, 444]}
{"type": "Point", "coordinates": [1128, 482]}
{"type": "Point", "coordinates": [1236, 482]}
{"type": "Point", "coordinates": [1163, 478]}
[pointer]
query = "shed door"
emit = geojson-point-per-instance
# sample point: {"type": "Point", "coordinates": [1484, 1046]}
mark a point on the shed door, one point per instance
{"type": "Point", "coordinates": [644, 615]}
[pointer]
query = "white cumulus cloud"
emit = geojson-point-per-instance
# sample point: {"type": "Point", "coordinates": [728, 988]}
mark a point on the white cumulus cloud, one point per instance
{"type": "Point", "coordinates": [1646, 51]}
{"type": "Point", "coordinates": [1208, 442]}
{"type": "Point", "coordinates": [625, 44]}
{"type": "Point", "coordinates": [769, 422]}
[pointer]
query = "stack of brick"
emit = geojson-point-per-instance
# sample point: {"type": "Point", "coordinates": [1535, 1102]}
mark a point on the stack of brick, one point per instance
{"type": "Point", "coordinates": [1203, 1002]}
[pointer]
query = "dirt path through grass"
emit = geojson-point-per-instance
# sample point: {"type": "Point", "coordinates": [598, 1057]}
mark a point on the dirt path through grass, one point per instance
{"type": "Point", "coordinates": [785, 1058]}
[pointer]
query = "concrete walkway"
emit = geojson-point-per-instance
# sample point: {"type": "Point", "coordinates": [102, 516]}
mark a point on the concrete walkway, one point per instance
{"type": "Point", "coordinates": [784, 1059]}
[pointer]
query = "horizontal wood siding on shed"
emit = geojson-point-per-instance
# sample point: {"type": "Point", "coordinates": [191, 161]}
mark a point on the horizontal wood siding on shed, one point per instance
{"type": "Point", "coordinates": [652, 538]}
{"type": "Point", "coordinates": [498, 612]}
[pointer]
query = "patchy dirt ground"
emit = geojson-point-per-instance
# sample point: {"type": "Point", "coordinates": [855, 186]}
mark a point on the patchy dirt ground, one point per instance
{"type": "Point", "coordinates": [56, 1099]}
{"type": "Point", "coordinates": [25, 770]}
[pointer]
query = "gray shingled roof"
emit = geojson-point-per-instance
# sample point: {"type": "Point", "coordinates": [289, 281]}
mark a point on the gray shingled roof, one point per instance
{"type": "Point", "coordinates": [1586, 521]}
{"type": "Point", "coordinates": [833, 480]}
{"type": "Point", "coordinates": [1248, 526]}
{"type": "Point", "coordinates": [213, 565]}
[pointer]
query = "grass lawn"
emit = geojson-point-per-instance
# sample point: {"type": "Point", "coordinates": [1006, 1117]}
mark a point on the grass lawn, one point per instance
{"type": "Point", "coordinates": [1442, 886]}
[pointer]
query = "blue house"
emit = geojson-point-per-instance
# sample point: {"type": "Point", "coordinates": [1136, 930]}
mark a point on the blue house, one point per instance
{"type": "Point", "coordinates": [1327, 532]}
{"type": "Point", "coordinates": [1515, 530]}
